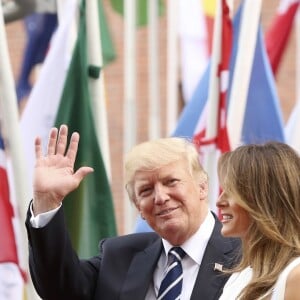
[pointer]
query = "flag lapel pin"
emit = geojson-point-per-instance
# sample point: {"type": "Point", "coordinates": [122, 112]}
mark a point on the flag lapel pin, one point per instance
{"type": "Point", "coordinates": [218, 267]}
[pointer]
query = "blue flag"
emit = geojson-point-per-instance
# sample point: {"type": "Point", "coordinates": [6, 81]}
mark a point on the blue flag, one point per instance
{"type": "Point", "coordinates": [192, 111]}
{"type": "Point", "coordinates": [263, 118]}
{"type": "Point", "coordinates": [39, 29]}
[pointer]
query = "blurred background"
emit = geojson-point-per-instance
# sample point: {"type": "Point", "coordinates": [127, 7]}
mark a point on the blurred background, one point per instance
{"type": "Point", "coordinates": [154, 55]}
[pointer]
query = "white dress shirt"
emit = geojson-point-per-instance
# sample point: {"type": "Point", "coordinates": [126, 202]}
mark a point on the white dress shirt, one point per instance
{"type": "Point", "coordinates": [194, 248]}
{"type": "Point", "coordinates": [41, 220]}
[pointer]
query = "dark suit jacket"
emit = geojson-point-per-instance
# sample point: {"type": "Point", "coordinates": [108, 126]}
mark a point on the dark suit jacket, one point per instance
{"type": "Point", "coordinates": [123, 270]}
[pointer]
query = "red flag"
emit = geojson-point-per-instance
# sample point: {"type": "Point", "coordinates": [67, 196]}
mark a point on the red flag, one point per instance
{"type": "Point", "coordinates": [211, 135]}
{"type": "Point", "coordinates": [226, 45]}
{"type": "Point", "coordinates": [277, 35]}
{"type": "Point", "coordinates": [221, 138]}
{"type": "Point", "coordinates": [8, 249]}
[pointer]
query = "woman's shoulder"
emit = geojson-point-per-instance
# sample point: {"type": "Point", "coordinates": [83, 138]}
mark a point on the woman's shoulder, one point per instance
{"type": "Point", "coordinates": [288, 283]}
{"type": "Point", "coordinates": [293, 283]}
{"type": "Point", "coordinates": [236, 282]}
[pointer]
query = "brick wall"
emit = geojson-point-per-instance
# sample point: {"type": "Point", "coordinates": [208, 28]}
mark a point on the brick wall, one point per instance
{"type": "Point", "coordinates": [115, 86]}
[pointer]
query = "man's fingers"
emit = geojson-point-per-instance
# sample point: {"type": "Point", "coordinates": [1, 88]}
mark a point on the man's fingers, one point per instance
{"type": "Point", "coordinates": [73, 147]}
{"type": "Point", "coordinates": [38, 148]}
{"type": "Point", "coordinates": [62, 140]}
{"type": "Point", "coordinates": [82, 172]}
{"type": "Point", "coordinates": [52, 141]}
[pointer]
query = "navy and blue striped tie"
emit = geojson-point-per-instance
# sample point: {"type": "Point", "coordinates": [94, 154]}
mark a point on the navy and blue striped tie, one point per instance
{"type": "Point", "coordinates": [170, 288]}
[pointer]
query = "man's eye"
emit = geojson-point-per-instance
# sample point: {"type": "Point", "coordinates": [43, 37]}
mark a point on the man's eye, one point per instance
{"type": "Point", "coordinates": [172, 181]}
{"type": "Point", "coordinates": [145, 192]}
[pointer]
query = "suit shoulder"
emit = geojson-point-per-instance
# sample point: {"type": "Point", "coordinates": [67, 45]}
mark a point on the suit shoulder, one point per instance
{"type": "Point", "coordinates": [137, 241]}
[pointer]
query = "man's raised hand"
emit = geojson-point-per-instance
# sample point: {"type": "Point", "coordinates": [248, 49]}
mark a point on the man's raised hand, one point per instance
{"type": "Point", "coordinates": [54, 175]}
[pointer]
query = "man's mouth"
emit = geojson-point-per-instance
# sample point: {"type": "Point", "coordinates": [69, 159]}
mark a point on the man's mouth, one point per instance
{"type": "Point", "coordinates": [166, 211]}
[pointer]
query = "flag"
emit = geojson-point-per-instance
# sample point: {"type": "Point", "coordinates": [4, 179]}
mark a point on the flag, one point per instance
{"type": "Point", "coordinates": [219, 81]}
{"type": "Point", "coordinates": [89, 209]}
{"type": "Point", "coordinates": [45, 109]}
{"type": "Point", "coordinates": [142, 226]}
{"type": "Point", "coordinates": [196, 106]}
{"type": "Point", "coordinates": [263, 117]}
{"type": "Point", "coordinates": [212, 139]}
{"type": "Point", "coordinates": [210, 133]}
{"type": "Point", "coordinates": [196, 22]}
{"type": "Point", "coordinates": [40, 111]}
{"type": "Point", "coordinates": [11, 282]}
{"type": "Point", "coordinates": [39, 30]}
{"type": "Point", "coordinates": [108, 49]}
{"type": "Point", "coordinates": [193, 110]}
{"type": "Point", "coordinates": [277, 35]}
{"type": "Point", "coordinates": [194, 49]}
{"type": "Point", "coordinates": [209, 8]}
{"type": "Point", "coordinates": [14, 194]}
{"type": "Point", "coordinates": [292, 128]}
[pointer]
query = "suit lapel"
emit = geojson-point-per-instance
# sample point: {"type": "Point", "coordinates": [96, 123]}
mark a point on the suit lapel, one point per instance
{"type": "Point", "coordinates": [140, 272]}
{"type": "Point", "coordinates": [219, 252]}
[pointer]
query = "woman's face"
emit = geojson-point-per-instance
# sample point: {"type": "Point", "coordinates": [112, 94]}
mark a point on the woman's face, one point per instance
{"type": "Point", "coordinates": [235, 219]}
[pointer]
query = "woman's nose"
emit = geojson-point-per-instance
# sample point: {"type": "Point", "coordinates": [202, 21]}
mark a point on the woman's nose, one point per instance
{"type": "Point", "coordinates": [221, 201]}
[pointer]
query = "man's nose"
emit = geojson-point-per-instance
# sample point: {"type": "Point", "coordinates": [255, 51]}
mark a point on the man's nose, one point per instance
{"type": "Point", "coordinates": [161, 194]}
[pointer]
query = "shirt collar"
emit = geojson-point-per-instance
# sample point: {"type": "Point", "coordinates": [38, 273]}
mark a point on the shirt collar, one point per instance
{"type": "Point", "coordinates": [200, 238]}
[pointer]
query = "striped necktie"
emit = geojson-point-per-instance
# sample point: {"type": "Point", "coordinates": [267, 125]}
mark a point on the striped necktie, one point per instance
{"type": "Point", "coordinates": [170, 288]}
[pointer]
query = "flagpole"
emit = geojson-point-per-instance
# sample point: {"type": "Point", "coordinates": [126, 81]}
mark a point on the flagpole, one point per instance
{"type": "Point", "coordinates": [210, 155]}
{"type": "Point", "coordinates": [10, 117]}
{"type": "Point", "coordinates": [242, 72]}
{"type": "Point", "coordinates": [130, 131]}
{"type": "Point", "coordinates": [97, 90]}
{"type": "Point", "coordinates": [172, 66]}
{"type": "Point", "coordinates": [293, 123]}
{"type": "Point", "coordinates": [153, 63]}
{"type": "Point", "coordinates": [230, 4]}
{"type": "Point", "coordinates": [59, 10]}
{"type": "Point", "coordinates": [213, 90]}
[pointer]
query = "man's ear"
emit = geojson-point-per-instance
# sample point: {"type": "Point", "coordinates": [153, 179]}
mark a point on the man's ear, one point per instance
{"type": "Point", "coordinates": [203, 185]}
{"type": "Point", "coordinates": [137, 205]}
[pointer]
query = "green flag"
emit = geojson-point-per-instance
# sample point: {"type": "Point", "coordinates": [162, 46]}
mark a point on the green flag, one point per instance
{"type": "Point", "coordinates": [89, 209]}
{"type": "Point", "coordinates": [108, 50]}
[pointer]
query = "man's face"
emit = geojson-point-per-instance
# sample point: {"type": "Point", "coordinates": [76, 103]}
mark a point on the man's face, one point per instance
{"type": "Point", "coordinates": [171, 200]}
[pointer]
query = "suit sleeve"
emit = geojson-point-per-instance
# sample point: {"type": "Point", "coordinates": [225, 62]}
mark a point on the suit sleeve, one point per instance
{"type": "Point", "coordinates": [57, 272]}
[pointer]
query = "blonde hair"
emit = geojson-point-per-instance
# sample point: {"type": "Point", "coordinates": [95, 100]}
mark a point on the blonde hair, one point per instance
{"type": "Point", "coordinates": [265, 181]}
{"type": "Point", "coordinates": [154, 154]}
